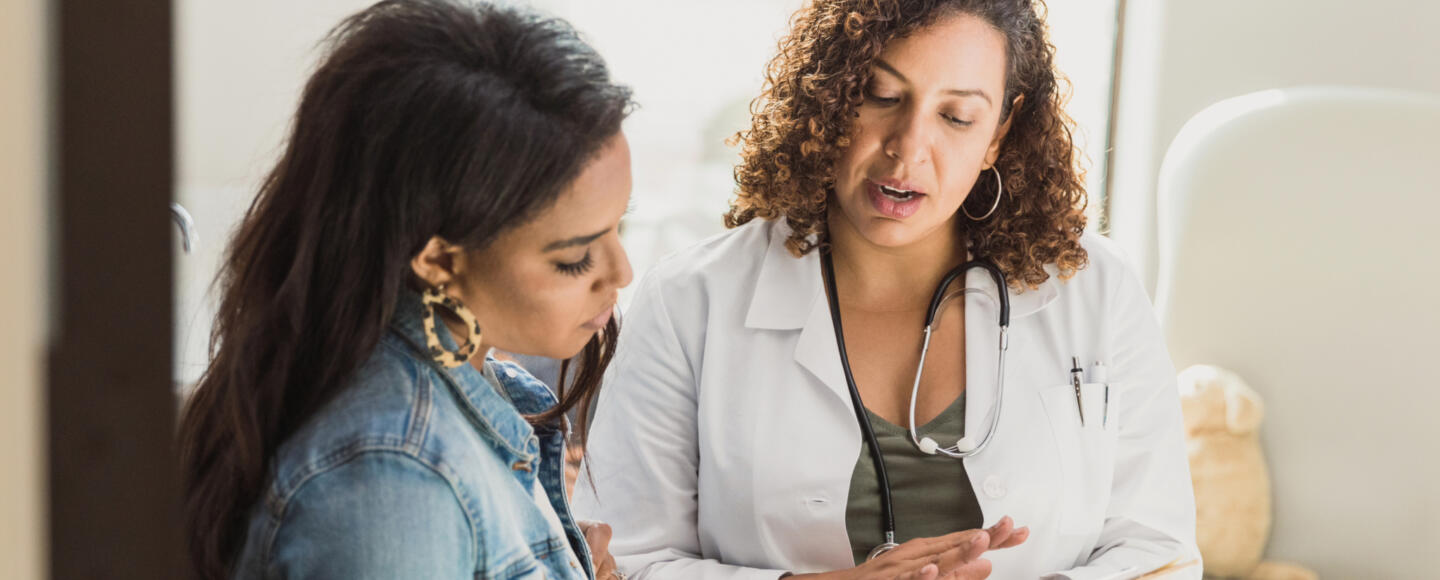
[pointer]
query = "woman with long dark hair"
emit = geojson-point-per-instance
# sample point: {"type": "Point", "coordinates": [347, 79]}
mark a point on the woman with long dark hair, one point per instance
{"type": "Point", "coordinates": [453, 181]}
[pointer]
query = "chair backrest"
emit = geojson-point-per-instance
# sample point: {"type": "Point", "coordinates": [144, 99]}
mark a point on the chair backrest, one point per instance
{"type": "Point", "coordinates": [1300, 247]}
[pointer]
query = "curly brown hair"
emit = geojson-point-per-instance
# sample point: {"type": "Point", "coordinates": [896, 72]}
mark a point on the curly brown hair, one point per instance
{"type": "Point", "coordinates": [813, 86]}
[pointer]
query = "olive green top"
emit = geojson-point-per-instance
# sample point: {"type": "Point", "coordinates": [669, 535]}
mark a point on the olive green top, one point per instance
{"type": "Point", "coordinates": [931, 494]}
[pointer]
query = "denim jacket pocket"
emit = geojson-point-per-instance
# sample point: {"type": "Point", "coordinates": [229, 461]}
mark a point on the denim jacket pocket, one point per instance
{"type": "Point", "coordinates": [557, 557]}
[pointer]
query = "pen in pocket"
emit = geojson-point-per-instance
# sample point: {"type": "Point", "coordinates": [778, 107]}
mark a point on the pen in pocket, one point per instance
{"type": "Point", "coordinates": [1097, 375]}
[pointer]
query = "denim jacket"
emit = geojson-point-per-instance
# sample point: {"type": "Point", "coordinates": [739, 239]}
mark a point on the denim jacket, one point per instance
{"type": "Point", "coordinates": [417, 471]}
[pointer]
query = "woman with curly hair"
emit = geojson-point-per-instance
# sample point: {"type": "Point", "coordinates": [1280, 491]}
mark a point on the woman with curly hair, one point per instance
{"type": "Point", "coordinates": [813, 389]}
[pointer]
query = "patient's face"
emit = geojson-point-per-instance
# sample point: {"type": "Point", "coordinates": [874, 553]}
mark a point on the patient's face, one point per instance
{"type": "Point", "coordinates": [929, 125]}
{"type": "Point", "coordinates": [546, 287]}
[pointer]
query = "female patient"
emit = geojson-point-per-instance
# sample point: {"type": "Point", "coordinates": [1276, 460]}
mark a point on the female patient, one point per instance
{"type": "Point", "coordinates": [452, 182]}
{"type": "Point", "coordinates": [765, 414]}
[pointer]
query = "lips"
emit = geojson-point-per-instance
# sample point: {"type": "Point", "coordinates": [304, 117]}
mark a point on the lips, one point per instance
{"type": "Point", "coordinates": [893, 198]}
{"type": "Point", "coordinates": [597, 323]}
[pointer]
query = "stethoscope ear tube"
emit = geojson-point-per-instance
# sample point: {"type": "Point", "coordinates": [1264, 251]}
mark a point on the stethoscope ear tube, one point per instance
{"type": "Point", "coordinates": [966, 446]}
{"type": "Point", "coordinates": [1002, 295]}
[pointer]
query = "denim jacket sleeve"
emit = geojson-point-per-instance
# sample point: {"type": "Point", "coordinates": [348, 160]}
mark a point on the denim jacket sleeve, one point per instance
{"type": "Point", "coordinates": [382, 514]}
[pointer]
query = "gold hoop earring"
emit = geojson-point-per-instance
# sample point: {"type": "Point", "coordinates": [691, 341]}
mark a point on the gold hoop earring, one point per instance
{"type": "Point", "coordinates": [999, 190]}
{"type": "Point", "coordinates": [435, 297]}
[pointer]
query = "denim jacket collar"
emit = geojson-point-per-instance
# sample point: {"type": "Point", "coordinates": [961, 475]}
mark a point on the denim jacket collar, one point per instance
{"type": "Point", "coordinates": [493, 407]}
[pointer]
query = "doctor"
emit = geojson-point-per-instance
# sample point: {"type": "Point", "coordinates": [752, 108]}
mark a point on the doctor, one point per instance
{"type": "Point", "coordinates": [767, 412]}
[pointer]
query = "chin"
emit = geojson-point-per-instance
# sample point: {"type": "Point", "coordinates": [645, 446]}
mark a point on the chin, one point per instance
{"type": "Point", "coordinates": [891, 234]}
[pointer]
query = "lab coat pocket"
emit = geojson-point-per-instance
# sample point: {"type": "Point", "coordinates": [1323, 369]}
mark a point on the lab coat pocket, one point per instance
{"type": "Point", "coordinates": [1086, 452]}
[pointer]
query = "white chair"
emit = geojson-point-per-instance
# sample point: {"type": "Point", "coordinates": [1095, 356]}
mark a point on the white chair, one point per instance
{"type": "Point", "coordinates": [1299, 238]}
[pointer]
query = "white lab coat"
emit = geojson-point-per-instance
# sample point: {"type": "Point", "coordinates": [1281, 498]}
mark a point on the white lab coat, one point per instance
{"type": "Point", "coordinates": [724, 438]}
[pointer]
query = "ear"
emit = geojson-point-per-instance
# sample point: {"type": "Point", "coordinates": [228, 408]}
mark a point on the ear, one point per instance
{"type": "Point", "coordinates": [437, 263]}
{"type": "Point", "coordinates": [992, 154]}
{"type": "Point", "coordinates": [1203, 409]}
{"type": "Point", "coordinates": [1243, 409]}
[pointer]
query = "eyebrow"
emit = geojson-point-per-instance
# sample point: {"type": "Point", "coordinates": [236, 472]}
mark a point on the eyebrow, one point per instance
{"type": "Point", "coordinates": [575, 241]}
{"type": "Point", "coordinates": [885, 66]}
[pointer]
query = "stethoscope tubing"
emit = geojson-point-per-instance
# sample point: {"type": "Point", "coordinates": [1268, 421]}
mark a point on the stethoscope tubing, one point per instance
{"type": "Point", "coordinates": [887, 512]}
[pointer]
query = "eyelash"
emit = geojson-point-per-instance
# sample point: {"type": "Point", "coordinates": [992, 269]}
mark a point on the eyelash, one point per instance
{"type": "Point", "coordinates": [885, 102]}
{"type": "Point", "coordinates": [576, 268]}
{"type": "Point", "coordinates": [881, 100]}
{"type": "Point", "coordinates": [955, 122]}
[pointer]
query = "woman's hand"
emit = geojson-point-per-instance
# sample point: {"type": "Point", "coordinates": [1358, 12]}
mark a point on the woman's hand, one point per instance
{"type": "Point", "coordinates": [597, 535]}
{"type": "Point", "coordinates": [954, 556]}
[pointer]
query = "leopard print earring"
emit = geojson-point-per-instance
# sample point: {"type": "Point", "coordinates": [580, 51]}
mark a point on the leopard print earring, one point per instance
{"type": "Point", "coordinates": [436, 297]}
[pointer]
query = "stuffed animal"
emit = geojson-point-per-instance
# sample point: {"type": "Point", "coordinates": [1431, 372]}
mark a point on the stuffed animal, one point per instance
{"type": "Point", "coordinates": [1232, 485]}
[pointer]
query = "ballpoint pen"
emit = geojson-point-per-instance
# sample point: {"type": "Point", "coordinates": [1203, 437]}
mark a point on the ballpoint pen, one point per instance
{"type": "Point", "coordinates": [1075, 380]}
{"type": "Point", "coordinates": [1105, 418]}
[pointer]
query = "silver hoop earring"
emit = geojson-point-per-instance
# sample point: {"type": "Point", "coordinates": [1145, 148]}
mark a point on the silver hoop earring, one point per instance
{"type": "Point", "coordinates": [999, 190]}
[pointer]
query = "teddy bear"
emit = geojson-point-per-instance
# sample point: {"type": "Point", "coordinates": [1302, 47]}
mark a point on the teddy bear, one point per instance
{"type": "Point", "coordinates": [1232, 484]}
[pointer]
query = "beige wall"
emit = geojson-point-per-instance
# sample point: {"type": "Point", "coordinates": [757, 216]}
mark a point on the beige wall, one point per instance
{"type": "Point", "coordinates": [1181, 56]}
{"type": "Point", "coordinates": [23, 190]}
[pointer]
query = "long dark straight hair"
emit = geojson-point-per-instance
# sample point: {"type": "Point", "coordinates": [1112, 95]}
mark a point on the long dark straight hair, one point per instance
{"type": "Point", "coordinates": [424, 118]}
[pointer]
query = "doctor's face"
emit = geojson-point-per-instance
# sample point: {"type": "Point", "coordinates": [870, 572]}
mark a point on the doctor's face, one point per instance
{"type": "Point", "coordinates": [929, 126]}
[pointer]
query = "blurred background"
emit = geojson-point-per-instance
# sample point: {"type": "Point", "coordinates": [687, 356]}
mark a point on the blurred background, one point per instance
{"type": "Point", "coordinates": [1280, 111]}
{"type": "Point", "coordinates": [694, 66]}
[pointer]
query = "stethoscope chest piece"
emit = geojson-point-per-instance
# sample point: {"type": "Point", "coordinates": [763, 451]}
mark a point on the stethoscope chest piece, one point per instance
{"type": "Point", "coordinates": [881, 550]}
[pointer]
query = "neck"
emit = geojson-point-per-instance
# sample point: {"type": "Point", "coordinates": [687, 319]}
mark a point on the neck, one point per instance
{"type": "Point", "coordinates": [885, 278]}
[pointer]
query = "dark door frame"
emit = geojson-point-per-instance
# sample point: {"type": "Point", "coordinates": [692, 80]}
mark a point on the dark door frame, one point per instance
{"type": "Point", "coordinates": [113, 504]}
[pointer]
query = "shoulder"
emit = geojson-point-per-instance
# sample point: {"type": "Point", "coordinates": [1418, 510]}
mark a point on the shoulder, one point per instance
{"type": "Point", "coordinates": [396, 410]}
{"type": "Point", "coordinates": [1106, 258]}
{"type": "Point", "coordinates": [373, 513]}
{"type": "Point", "coordinates": [1108, 270]}
{"type": "Point", "coordinates": [716, 276]}
{"type": "Point", "coordinates": [735, 253]}
{"type": "Point", "coordinates": [1107, 282]}
{"type": "Point", "coordinates": [378, 473]}
{"type": "Point", "coordinates": [384, 406]}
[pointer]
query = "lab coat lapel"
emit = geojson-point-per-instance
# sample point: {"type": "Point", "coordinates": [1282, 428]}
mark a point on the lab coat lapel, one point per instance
{"type": "Point", "coordinates": [818, 351]}
{"type": "Point", "coordinates": [789, 295]}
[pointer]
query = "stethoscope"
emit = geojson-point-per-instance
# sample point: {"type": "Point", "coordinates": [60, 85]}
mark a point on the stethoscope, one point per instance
{"type": "Point", "coordinates": [963, 448]}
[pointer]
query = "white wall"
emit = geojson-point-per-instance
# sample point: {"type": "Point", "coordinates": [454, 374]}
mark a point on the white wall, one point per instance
{"type": "Point", "coordinates": [239, 67]}
{"type": "Point", "coordinates": [1183, 55]}
{"type": "Point", "coordinates": [23, 191]}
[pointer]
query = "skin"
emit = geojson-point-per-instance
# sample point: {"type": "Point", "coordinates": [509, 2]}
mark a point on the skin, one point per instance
{"type": "Point", "coordinates": [931, 120]}
{"type": "Point", "coordinates": [546, 287]}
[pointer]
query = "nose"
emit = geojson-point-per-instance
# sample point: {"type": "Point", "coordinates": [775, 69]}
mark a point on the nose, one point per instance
{"type": "Point", "coordinates": [619, 274]}
{"type": "Point", "coordinates": [907, 139]}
